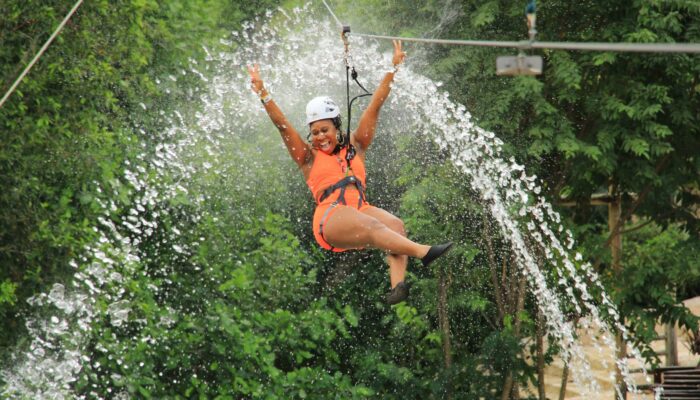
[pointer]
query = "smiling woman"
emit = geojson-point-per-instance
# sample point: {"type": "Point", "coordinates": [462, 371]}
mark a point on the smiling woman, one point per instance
{"type": "Point", "coordinates": [343, 219]}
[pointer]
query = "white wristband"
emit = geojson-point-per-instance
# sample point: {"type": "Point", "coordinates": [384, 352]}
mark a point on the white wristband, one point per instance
{"type": "Point", "coordinates": [266, 99]}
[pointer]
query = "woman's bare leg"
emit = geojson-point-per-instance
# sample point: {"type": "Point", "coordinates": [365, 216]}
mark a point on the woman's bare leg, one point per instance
{"type": "Point", "coordinates": [397, 262]}
{"type": "Point", "coordinates": [348, 228]}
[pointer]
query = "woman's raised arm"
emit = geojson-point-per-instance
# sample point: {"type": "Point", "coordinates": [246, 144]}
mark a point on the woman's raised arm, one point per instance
{"type": "Point", "coordinates": [297, 147]}
{"type": "Point", "coordinates": [364, 134]}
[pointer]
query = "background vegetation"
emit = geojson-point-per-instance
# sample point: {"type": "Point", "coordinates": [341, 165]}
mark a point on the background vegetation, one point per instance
{"type": "Point", "coordinates": [265, 314]}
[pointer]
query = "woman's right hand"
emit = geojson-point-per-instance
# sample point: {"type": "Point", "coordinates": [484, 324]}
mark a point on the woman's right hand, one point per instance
{"type": "Point", "coordinates": [399, 55]}
{"type": "Point", "coordinates": [298, 149]}
{"type": "Point", "coordinates": [256, 82]}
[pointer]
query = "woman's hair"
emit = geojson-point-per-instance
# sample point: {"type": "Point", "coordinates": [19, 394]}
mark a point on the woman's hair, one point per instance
{"type": "Point", "coordinates": [337, 122]}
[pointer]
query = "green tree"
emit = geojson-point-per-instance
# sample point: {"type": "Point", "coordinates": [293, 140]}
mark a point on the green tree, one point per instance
{"type": "Point", "coordinates": [69, 127]}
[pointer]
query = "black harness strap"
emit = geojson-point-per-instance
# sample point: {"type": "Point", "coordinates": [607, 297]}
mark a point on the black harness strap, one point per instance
{"type": "Point", "coordinates": [342, 184]}
{"type": "Point", "coordinates": [323, 223]}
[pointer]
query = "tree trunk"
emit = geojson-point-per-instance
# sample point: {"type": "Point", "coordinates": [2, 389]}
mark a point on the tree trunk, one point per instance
{"type": "Point", "coordinates": [614, 212]}
{"type": "Point", "coordinates": [516, 292]}
{"type": "Point", "coordinates": [564, 380]}
{"type": "Point", "coordinates": [540, 332]}
{"type": "Point", "coordinates": [521, 291]}
{"type": "Point", "coordinates": [671, 344]}
{"type": "Point", "coordinates": [493, 268]}
{"type": "Point", "coordinates": [444, 281]}
{"type": "Point", "coordinates": [507, 387]}
{"type": "Point", "coordinates": [510, 289]}
{"type": "Point", "coordinates": [515, 392]}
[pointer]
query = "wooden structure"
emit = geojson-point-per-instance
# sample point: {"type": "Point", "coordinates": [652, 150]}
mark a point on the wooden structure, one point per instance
{"type": "Point", "coordinates": [676, 383]}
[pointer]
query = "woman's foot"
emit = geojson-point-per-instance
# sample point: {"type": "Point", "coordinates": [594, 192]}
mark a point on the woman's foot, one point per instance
{"type": "Point", "coordinates": [435, 252]}
{"type": "Point", "coordinates": [398, 294]}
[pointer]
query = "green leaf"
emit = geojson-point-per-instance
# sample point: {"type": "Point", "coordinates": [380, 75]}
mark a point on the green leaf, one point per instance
{"type": "Point", "coordinates": [350, 316]}
{"type": "Point", "coordinates": [637, 146]}
{"type": "Point", "coordinates": [7, 292]}
{"type": "Point", "coordinates": [604, 58]}
{"type": "Point", "coordinates": [485, 14]}
{"type": "Point", "coordinates": [239, 280]}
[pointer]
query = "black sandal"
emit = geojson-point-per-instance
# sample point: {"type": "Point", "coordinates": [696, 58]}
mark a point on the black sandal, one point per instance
{"type": "Point", "coordinates": [398, 294]}
{"type": "Point", "coordinates": [435, 252]}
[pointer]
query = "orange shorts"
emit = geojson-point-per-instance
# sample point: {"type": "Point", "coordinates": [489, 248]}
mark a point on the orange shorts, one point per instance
{"type": "Point", "coordinates": [328, 207]}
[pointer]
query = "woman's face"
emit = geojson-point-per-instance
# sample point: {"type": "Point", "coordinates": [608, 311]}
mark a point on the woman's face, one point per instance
{"type": "Point", "coordinates": [324, 135]}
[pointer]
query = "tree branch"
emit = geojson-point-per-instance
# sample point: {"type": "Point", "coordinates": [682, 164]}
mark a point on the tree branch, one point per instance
{"type": "Point", "coordinates": [630, 211]}
{"type": "Point", "coordinates": [640, 226]}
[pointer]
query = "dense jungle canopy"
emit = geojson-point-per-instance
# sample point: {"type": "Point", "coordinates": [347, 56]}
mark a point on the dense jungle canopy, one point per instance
{"type": "Point", "coordinates": [258, 310]}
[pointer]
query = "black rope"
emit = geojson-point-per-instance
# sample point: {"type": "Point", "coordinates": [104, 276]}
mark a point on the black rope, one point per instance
{"type": "Point", "coordinates": [351, 151]}
{"type": "Point", "coordinates": [354, 78]}
{"type": "Point", "coordinates": [347, 92]}
{"type": "Point", "coordinates": [350, 154]}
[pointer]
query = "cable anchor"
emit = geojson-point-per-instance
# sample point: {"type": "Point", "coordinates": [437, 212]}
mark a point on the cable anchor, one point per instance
{"type": "Point", "coordinates": [522, 64]}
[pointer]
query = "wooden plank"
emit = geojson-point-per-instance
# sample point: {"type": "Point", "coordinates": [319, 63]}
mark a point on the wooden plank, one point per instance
{"type": "Point", "coordinates": [687, 372]}
{"type": "Point", "coordinates": [676, 370]}
{"type": "Point", "coordinates": [683, 386]}
{"type": "Point", "coordinates": [669, 392]}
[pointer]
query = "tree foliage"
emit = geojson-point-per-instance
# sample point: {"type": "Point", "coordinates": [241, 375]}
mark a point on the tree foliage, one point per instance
{"type": "Point", "coordinates": [69, 127]}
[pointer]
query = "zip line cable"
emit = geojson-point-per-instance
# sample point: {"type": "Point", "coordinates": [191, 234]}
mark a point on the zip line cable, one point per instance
{"type": "Point", "coordinates": [41, 51]}
{"type": "Point", "coordinates": [332, 13]}
{"type": "Point", "coordinates": [527, 45]}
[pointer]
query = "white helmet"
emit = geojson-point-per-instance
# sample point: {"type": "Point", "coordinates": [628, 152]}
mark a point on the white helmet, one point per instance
{"type": "Point", "coordinates": [322, 107]}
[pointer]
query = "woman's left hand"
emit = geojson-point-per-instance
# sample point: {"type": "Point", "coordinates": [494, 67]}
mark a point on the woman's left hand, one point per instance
{"type": "Point", "coordinates": [398, 54]}
{"type": "Point", "coordinates": [256, 83]}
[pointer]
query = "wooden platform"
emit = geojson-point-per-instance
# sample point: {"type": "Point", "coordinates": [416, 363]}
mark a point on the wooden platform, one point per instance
{"type": "Point", "coordinates": [676, 383]}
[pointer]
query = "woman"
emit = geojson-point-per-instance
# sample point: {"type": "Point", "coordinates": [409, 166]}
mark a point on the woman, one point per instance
{"type": "Point", "coordinates": [343, 219]}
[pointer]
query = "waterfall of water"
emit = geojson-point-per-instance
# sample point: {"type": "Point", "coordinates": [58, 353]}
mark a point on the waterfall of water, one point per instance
{"type": "Point", "coordinates": [300, 58]}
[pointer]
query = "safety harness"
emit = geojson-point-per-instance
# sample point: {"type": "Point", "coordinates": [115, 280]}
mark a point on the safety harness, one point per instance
{"type": "Point", "coordinates": [342, 184]}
